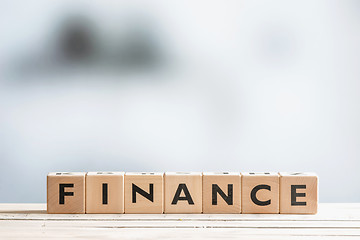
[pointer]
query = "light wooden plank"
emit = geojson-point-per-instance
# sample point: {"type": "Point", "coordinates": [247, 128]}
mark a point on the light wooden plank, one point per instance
{"type": "Point", "coordinates": [43, 230]}
{"type": "Point", "coordinates": [327, 212]}
{"type": "Point", "coordinates": [192, 224]}
{"type": "Point", "coordinates": [30, 221]}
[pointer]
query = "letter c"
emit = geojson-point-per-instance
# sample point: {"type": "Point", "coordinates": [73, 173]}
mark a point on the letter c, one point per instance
{"type": "Point", "coordinates": [255, 199]}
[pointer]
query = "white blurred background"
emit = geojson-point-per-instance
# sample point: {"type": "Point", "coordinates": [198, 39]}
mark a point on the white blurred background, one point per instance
{"type": "Point", "coordinates": [179, 86]}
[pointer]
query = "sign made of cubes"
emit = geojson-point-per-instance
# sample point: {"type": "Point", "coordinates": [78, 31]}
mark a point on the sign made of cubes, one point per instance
{"type": "Point", "coordinates": [170, 192]}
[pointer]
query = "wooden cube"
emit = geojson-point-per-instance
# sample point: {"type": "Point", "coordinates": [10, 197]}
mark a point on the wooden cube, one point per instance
{"type": "Point", "coordinates": [144, 193]}
{"type": "Point", "coordinates": [299, 193]}
{"type": "Point", "coordinates": [105, 192]}
{"type": "Point", "coordinates": [183, 192]}
{"type": "Point", "coordinates": [66, 192]}
{"type": "Point", "coordinates": [260, 193]}
{"type": "Point", "coordinates": [221, 192]}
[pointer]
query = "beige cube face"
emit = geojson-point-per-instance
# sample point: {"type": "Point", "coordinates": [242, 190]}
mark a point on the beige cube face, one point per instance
{"type": "Point", "coordinates": [299, 193]}
{"type": "Point", "coordinates": [260, 192]}
{"type": "Point", "coordinates": [66, 192]}
{"type": "Point", "coordinates": [221, 192]}
{"type": "Point", "coordinates": [105, 192]}
{"type": "Point", "coordinates": [144, 193]}
{"type": "Point", "coordinates": [183, 192]}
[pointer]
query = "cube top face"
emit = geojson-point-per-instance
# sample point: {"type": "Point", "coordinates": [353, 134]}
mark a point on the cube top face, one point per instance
{"type": "Point", "coordinates": [66, 193]}
{"type": "Point", "coordinates": [260, 193]}
{"type": "Point", "coordinates": [66, 174]}
{"type": "Point", "coordinates": [183, 174]}
{"type": "Point", "coordinates": [299, 193]}
{"type": "Point", "coordinates": [144, 193]}
{"type": "Point", "coordinates": [144, 174]}
{"type": "Point", "coordinates": [222, 173]}
{"type": "Point", "coordinates": [105, 173]}
{"type": "Point", "coordinates": [183, 192]}
{"type": "Point", "coordinates": [105, 192]}
{"type": "Point", "coordinates": [222, 193]}
{"type": "Point", "coordinates": [260, 174]}
{"type": "Point", "coordinates": [298, 174]}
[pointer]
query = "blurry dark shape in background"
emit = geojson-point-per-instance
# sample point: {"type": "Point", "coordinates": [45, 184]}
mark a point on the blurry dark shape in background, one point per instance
{"type": "Point", "coordinates": [77, 45]}
{"type": "Point", "coordinates": [138, 49]}
{"type": "Point", "coordinates": [76, 41]}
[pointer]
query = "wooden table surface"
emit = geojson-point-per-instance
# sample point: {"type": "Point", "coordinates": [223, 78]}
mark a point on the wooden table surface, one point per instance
{"type": "Point", "coordinates": [30, 221]}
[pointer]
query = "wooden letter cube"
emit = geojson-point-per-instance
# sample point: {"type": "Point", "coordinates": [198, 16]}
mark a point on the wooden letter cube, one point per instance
{"type": "Point", "coordinates": [298, 193]}
{"type": "Point", "coordinates": [183, 192]}
{"type": "Point", "coordinates": [260, 193]}
{"type": "Point", "coordinates": [144, 193]}
{"type": "Point", "coordinates": [66, 192]}
{"type": "Point", "coordinates": [221, 192]}
{"type": "Point", "coordinates": [105, 192]}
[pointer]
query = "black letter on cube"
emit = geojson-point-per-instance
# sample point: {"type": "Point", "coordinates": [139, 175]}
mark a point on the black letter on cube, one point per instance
{"type": "Point", "coordinates": [149, 196]}
{"type": "Point", "coordinates": [294, 195]}
{"type": "Point", "coordinates": [228, 199]}
{"type": "Point", "coordinates": [182, 187]}
{"type": "Point", "coordinates": [62, 192]}
{"type": "Point", "coordinates": [254, 198]}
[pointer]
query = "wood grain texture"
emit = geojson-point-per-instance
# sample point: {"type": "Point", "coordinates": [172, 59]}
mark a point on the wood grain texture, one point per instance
{"type": "Point", "coordinates": [303, 187]}
{"type": "Point", "coordinates": [144, 181]}
{"type": "Point", "coordinates": [73, 184]}
{"type": "Point", "coordinates": [30, 221]}
{"type": "Point", "coordinates": [252, 180]}
{"type": "Point", "coordinates": [110, 201]}
{"type": "Point", "coordinates": [182, 182]}
{"type": "Point", "coordinates": [229, 184]}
